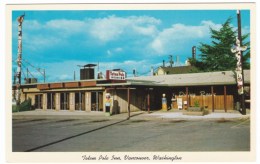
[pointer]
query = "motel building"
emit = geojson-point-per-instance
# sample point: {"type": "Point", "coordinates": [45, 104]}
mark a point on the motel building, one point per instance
{"type": "Point", "coordinates": [216, 91]}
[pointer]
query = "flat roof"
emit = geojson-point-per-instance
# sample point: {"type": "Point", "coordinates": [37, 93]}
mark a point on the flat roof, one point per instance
{"type": "Point", "coordinates": [188, 79]}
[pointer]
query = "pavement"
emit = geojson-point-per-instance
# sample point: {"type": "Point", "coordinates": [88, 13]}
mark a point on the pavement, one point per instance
{"type": "Point", "coordinates": [139, 115]}
{"type": "Point", "coordinates": [180, 115]}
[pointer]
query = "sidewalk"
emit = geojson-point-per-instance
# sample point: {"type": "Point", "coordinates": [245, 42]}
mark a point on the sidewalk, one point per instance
{"type": "Point", "coordinates": [210, 116]}
{"type": "Point", "coordinates": [140, 115]}
{"type": "Point", "coordinates": [52, 114]}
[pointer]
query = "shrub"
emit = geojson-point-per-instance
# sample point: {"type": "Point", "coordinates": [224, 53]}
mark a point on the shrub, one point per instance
{"type": "Point", "coordinates": [196, 103]}
{"type": "Point", "coordinates": [24, 106]}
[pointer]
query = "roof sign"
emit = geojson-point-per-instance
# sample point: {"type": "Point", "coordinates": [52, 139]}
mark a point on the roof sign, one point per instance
{"type": "Point", "coordinates": [115, 75]}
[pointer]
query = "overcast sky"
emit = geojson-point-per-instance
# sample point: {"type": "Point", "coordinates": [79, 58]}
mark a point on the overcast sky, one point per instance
{"type": "Point", "coordinates": [58, 41]}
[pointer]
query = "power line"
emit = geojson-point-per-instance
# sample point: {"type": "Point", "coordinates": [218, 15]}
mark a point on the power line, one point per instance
{"type": "Point", "coordinates": [38, 69]}
{"type": "Point", "coordinates": [29, 73]}
{"type": "Point", "coordinates": [28, 63]}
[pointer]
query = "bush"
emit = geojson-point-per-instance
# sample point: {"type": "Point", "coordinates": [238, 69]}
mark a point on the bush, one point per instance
{"type": "Point", "coordinates": [14, 108]}
{"type": "Point", "coordinates": [196, 103]}
{"type": "Point", "coordinates": [24, 106]}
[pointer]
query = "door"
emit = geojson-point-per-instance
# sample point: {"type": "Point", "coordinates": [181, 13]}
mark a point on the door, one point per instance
{"type": "Point", "coordinates": [50, 100]}
{"type": "Point", "coordinates": [96, 101]}
{"type": "Point", "coordinates": [38, 101]}
{"type": "Point", "coordinates": [64, 101]}
{"type": "Point", "coordinates": [79, 101]}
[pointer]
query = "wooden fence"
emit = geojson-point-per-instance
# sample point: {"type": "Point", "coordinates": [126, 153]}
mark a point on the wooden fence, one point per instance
{"type": "Point", "coordinates": [220, 102]}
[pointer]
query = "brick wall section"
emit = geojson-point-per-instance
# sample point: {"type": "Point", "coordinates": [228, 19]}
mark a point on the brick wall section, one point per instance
{"type": "Point", "coordinates": [88, 84]}
{"type": "Point", "coordinates": [66, 85]}
{"type": "Point", "coordinates": [43, 86]}
{"type": "Point", "coordinates": [56, 85]}
{"type": "Point", "coordinates": [71, 85]}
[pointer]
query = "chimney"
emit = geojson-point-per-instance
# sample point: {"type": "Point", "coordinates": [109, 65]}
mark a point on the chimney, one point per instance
{"type": "Point", "coordinates": [100, 75]}
{"type": "Point", "coordinates": [134, 72]}
{"type": "Point", "coordinates": [87, 72]}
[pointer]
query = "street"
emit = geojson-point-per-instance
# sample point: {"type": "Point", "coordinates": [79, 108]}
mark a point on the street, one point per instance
{"type": "Point", "coordinates": [105, 134]}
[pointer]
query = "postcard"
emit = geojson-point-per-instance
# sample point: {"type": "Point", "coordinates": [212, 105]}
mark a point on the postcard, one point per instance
{"type": "Point", "coordinates": [154, 82]}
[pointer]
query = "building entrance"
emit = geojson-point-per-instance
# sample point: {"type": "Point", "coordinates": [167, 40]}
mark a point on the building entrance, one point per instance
{"type": "Point", "coordinates": [38, 101]}
{"type": "Point", "coordinates": [79, 101]}
{"type": "Point", "coordinates": [96, 101]}
{"type": "Point", "coordinates": [64, 101]}
{"type": "Point", "coordinates": [50, 100]}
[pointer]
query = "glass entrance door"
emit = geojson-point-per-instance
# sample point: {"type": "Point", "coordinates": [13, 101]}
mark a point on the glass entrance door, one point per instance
{"type": "Point", "coordinates": [64, 101]}
{"type": "Point", "coordinates": [50, 100]}
{"type": "Point", "coordinates": [96, 101]}
{"type": "Point", "coordinates": [38, 101]}
{"type": "Point", "coordinates": [79, 101]}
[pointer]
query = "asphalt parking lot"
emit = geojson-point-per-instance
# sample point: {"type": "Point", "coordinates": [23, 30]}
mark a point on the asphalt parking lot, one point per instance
{"type": "Point", "coordinates": [105, 134]}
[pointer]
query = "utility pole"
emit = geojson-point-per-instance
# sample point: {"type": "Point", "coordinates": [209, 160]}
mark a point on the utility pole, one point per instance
{"type": "Point", "coordinates": [171, 61]}
{"type": "Point", "coordinates": [44, 75]}
{"type": "Point", "coordinates": [134, 72]}
{"type": "Point", "coordinates": [19, 60]}
{"type": "Point", "coordinates": [27, 73]}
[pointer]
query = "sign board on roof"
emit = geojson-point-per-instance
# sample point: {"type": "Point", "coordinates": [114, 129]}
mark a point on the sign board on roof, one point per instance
{"type": "Point", "coordinates": [115, 75]}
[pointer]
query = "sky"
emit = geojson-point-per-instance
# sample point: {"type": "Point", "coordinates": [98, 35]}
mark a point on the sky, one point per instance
{"type": "Point", "coordinates": [60, 41]}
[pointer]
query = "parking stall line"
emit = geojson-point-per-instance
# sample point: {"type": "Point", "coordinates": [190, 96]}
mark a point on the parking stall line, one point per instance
{"type": "Point", "coordinates": [241, 124]}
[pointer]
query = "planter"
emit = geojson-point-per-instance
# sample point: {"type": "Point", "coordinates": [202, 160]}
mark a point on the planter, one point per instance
{"type": "Point", "coordinates": [196, 111]}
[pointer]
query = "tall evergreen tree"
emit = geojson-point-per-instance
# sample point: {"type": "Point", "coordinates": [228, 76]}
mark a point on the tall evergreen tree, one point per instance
{"type": "Point", "coordinates": [217, 56]}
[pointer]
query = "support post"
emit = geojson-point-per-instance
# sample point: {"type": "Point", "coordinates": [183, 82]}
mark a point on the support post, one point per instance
{"type": "Point", "coordinates": [148, 102]}
{"type": "Point", "coordinates": [128, 102]}
{"type": "Point", "coordinates": [225, 98]}
{"type": "Point", "coordinates": [57, 101]}
{"type": "Point", "coordinates": [72, 101]}
{"type": "Point", "coordinates": [51, 99]}
{"type": "Point", "coordinates": [44, 101]}
{"type": "Point", "coordinates": [80, 101]}
{"type": "Point", "coordinates": [88, 102]}
{"type": "Point", "coordinates": [187, 97]}
{"type": "Point", "coordinates": [97, 100]}
{"type": "Point", "coordinates": [212, 93]}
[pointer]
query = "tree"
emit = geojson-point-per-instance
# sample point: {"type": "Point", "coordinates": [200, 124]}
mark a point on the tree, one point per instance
{"type": "Point", "coordinates": [217, 56]}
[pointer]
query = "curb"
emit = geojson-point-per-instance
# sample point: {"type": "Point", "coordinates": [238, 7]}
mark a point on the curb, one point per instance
{"type": "Point", "coordinates": [158, 116]}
